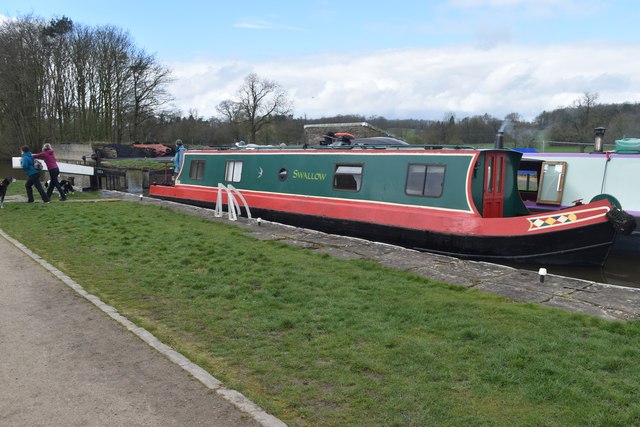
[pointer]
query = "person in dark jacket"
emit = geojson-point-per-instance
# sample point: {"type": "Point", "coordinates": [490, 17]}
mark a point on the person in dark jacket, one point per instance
{"type": "Point", "coordinates": [33, 175]}
{"type": "Point", "coordinates": [49, 158]}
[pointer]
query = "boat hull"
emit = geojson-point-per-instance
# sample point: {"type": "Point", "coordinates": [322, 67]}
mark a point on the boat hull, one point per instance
{"type": "Point", "coordinates": [588, 245]}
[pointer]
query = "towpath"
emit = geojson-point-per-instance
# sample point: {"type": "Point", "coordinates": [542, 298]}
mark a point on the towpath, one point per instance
{"type": "Point", "coordinates": [66, 362]}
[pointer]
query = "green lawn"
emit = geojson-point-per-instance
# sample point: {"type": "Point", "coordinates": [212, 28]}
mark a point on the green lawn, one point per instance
{"type": "Point", "coordinates": [17, 188]}
{"type": "Point", "coordinates": [141, 164]}
{"type": "Point", "coordinates": [325, 342]}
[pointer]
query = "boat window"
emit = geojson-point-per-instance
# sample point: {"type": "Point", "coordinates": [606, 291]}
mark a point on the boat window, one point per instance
{"type": "Point", "coordinates": [282, 174]}
{"type": "Point", "coordinates": [347, 177]}
{"type": "Point", "coordinates": [233, 171]}
{"type": "Point", "coordinates": [196, 169]}
{"type": "Point", "coordinates": [527, 180]}
{"type": "Point", "coordinates": [499, 175]}
{"type": "Point", "coordinates": [425, 180]}
{"type": "Point", "coordinates": [551, 185]}
{"type": "Point", "coordinates": [489, 174]}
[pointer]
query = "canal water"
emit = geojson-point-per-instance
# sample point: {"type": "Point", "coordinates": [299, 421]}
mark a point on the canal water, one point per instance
{"type": "Point", "coordinates": [622, 268]}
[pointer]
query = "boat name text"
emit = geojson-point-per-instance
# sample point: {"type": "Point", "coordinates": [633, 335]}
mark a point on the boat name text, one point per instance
{"type": "Point", "coordinates": [310, 176]}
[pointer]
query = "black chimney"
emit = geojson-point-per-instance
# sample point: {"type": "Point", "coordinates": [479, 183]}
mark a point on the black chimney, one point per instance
{"type": "Point", "coordinates": [500, 140]}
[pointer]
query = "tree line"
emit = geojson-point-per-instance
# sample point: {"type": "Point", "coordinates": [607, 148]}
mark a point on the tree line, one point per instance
{"type": "Point", "coordinates": [64, 82]}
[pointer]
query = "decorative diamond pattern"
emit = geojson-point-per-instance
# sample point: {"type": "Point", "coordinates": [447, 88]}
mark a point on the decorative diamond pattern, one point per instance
{"type": "Point", "coordinates": [552, 220]}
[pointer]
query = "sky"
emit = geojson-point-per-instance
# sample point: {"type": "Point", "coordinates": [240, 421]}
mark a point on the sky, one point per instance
{"type": "Point", "coordinates": [403, 59]}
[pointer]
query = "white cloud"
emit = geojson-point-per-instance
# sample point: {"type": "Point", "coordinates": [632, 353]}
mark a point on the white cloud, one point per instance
{"type": "Point", "coordinates": [426, 83]}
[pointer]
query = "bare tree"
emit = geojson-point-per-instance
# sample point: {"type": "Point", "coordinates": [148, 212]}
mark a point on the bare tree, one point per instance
{"type": "Point", "coordinates": [623, 124]}
{"type": "Point", "coordinates": [22, 82]}
{"type": "Point", "coordinates": [147, 91]}
{"type": "Point", "coordinates": [230, 111]}
{"type": "Point", "coordinates": [58, 91]}
{"type": "Point", "coordinates": [83, 73]}
{"type": "Point", "coordinates": [583, 120]}
{"type": "Point", "coordinates": [258, 102]}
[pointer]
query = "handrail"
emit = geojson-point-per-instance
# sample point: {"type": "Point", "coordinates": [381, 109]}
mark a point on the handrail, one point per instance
{"type": "Point", "coordinates": [244, 202]}
{"type": "Point", "coordinates": [232, 203]}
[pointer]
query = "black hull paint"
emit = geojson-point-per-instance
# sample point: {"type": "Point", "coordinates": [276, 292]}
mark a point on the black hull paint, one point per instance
{"type": "Point", "coordinates": [588, 246]}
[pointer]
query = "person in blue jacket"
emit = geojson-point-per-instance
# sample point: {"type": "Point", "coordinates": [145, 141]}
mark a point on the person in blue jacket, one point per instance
{"type": "Point", "coordinates": [33, 175]}
{"type": "Point", "coordinates": [177, 159]}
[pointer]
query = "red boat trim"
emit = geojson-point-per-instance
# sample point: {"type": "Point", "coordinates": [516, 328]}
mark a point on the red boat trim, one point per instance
{"type": "Point", "coordinates": [400, 215]}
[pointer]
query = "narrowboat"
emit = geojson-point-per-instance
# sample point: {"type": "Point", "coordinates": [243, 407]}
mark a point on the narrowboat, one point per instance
{"type": "Point", "coordinates": [456, 201]}
{"type": "Point", "coordinates": [573, 177]}
{"type": "Point", "coordinates": [552, 181]}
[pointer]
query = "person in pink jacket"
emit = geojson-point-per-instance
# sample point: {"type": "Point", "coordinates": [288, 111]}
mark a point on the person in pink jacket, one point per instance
{"type": "Point", "coordinates": [49, 158]}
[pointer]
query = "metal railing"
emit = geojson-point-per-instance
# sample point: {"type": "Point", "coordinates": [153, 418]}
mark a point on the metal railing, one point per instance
{"type": "Point", "coordinates": [232, 203]}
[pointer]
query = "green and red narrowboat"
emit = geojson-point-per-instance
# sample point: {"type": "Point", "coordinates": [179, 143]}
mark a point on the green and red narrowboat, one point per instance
{"type": "Point", "coordinates": [462, 202]}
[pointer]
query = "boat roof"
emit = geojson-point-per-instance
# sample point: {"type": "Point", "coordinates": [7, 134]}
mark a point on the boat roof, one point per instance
{"type": "Point", "coordinates": [377, 142]}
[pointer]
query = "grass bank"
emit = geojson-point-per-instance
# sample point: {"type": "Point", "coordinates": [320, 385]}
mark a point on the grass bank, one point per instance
{"type": "Point", "coordinates": [141, 164]}
{"type": "Point", "coordinates": [327, 342]}
{"type": "Point", "coordinates": [17, 188]}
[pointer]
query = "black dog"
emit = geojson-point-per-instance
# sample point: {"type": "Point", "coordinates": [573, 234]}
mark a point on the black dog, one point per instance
{"type": "Point", "coordinates": [64, 184]}
{"type": "Point", "coordinates": [4, 184]}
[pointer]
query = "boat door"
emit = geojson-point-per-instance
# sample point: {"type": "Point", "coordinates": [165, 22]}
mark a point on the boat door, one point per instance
{"type": "Point", "coordinates": [494, 173]}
